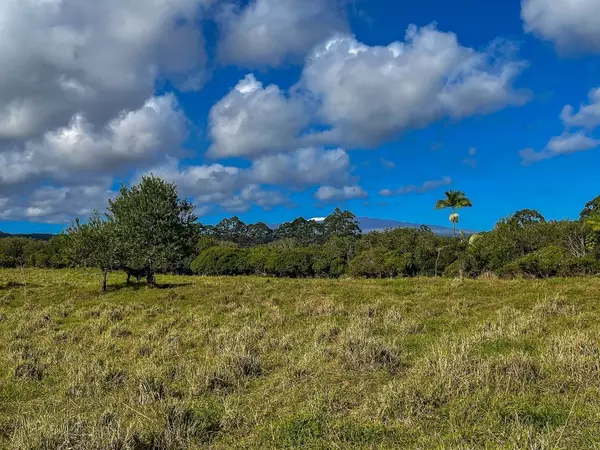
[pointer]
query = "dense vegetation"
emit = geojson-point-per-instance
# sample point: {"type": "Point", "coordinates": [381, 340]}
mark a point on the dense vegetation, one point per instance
{"type": "Point", "coordinates": [321, 364]}
{"type": "Point", "coordinates": [149, 230]}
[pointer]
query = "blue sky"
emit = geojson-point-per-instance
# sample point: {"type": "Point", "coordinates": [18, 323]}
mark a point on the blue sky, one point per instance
{"type": "Point", "coordinates": [271, 110]}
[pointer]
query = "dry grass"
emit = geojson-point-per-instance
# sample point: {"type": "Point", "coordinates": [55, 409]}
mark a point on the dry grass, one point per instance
{"type": "Point", "coordinates": [242, 363]}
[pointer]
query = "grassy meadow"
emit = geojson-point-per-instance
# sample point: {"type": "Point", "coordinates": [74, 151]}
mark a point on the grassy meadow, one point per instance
{"type": "Point", "coordinates": [258, 363]}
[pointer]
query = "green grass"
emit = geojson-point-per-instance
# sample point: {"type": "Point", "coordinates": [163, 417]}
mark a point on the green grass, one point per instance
{"type": "Point", "coordinates": [321, 364]}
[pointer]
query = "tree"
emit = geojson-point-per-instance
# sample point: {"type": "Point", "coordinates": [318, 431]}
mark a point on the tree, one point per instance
{"type": "Point", "coordinates": [592, 208]}
{"type": "Point", "coordinates": [156, 228]}
{"type": "Point", "coordinates": [454, 200]}
{"type": "Point", "coordinates": [94, 244]}
{"type": "Point", "coordinates": [526, 217]}
{"type": "Point", "coordinates": [304, 232]}
{"type": "Point", "coordinates": [259, 233]}
{"type": "Point", "coordinates": [341, 224]}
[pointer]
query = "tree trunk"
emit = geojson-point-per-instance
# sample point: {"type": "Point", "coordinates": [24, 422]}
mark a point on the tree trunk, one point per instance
{"type": "Point", "coordinates": [453, 224]}
{"type": "Point", "coordinates": [151, 279]}
{"type": "Point", "coordinates": [437, 260]}
{"type": "Point", "coordinates": [104, 280]}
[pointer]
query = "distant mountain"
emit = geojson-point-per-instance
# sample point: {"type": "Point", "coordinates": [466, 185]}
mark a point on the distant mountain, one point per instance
{"type": "Point", "coordinates": [372, 224]}
{"type": "Point", "coordinates": [36, 236]}
{"type": "Point", "coordinates": [368, 224]}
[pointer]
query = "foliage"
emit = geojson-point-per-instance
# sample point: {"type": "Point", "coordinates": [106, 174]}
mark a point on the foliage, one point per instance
{"type": "Point", "coordinates": [156, 229]}
{"type": "Point", "coordinates": [222, 261]}
{"type": "Point", "coordinates": [454, 200]}
{"type": "Point", "coordinates": [95, 244]}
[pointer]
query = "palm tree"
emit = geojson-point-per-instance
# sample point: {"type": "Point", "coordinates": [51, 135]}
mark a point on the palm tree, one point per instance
{"type": "Point", "coordinates": [454, 200]}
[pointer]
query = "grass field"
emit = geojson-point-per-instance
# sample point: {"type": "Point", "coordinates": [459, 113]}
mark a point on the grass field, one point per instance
{"type": "Point", "coordinates": [332, 364]}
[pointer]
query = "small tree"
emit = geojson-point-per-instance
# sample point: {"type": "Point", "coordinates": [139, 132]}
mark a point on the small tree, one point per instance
{"type": "Point", "coordinates": [155, 228]}
{"type": "Point", "coordinates": [454, 200]}
{"type": "Point", "coordinates": [94, 244]}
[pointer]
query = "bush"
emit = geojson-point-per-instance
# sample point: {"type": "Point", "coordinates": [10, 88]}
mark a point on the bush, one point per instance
{"type": "Point", "coordinates": [291, 263]}
{"type": "Point", "coordinates": [220, 261]}
{"type": "Point", "coordinates": [543, 263]}
{"type": "Point", "coordinates": [370, 263]}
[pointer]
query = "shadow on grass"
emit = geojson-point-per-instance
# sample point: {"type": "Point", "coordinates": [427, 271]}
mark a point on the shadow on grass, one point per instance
{"type": "Point", "coordinates": [17, 285]}
{"type": "Point", "coordinates": [138, 286]}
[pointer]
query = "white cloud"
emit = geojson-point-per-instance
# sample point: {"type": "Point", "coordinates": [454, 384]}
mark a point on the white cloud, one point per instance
{"type": "Point", "coordinates": [238, 189]}
{"type": "Point", "coordinates": [303, 167]}
{"type": "Point", "coordinates": [576, 136]}
{"type": "Point", "coordinates": [254, 195]}
{"type": "Point", "coordinates": [52, 204]}
{"type": "Point", "coordinates": [370, 94]}
{"type": "Point", "coordinates": [560, 145]}
{"type": "Point", "coordinates": [269, 32]}
{"type": "Point", "coordinates": [252, 120]}
{"type": "Point", "coordinates": [414, 189]}
{"type": "Point", "coordinates": [332, 194]}
{"type": "Point", "coordinates": [78, 150]}
{"type": "Point", "coordinates": [571, 24]}
{"type": "Point", "coordinates": [77, 96]}
{"type": "Point", "coordinates": [588, 115]}
{"type": "Point", "coordinates": [89, 57]}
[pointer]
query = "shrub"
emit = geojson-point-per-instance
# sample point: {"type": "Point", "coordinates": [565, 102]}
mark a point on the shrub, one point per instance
{"type": "Point", "coordinates": [291, 263]}
{"type": "Point", "coordinates": [220, 261]}
{"type": "Point", "coordinates": [543, 263]}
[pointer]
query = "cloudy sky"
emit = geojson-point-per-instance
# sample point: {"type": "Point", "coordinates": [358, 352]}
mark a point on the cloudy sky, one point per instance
{"type": "Point", "coordinates": [273, 109]}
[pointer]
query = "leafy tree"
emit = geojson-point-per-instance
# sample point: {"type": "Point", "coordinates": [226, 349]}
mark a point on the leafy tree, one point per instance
{"type": "Point", "coordinates": [259, 234]}
{"type": "Point", "coordinates": [232, 230]}
{"type": "Point", "coordinates": [526, 217]}
{"type": "Point", "coordinates": [156, 228]}
{"type": "Point", "coordinates": [95, 244]}
{"type": "Point", "coordinates": [592, 208]}
{"type": "Point", "coordinates": [454, 200]}
{"type": "Point", "coordinates": [305, 232]}
{"type": "Point", "coordinates": [341, 224]}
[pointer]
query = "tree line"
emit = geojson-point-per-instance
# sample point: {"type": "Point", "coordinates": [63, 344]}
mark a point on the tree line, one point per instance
{"type": "Point", "coordinates": [148, 229]}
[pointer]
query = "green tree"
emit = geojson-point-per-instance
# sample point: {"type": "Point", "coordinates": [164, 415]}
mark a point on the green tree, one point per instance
{"type": "Point", "coordinates": [341, 224]}
{"type": "Point", "coordinates": [592, 208]}
{"type": "Point", "coordinates": [156, 229]}
{"type": "Point", "coordinates": [526, 217]}
{"type": "Point", "coordinates": [304, 232]}
{"type": "Point", "coordinates": [454, 200]}
{"type": "Point", "coordinates": [94, 244]}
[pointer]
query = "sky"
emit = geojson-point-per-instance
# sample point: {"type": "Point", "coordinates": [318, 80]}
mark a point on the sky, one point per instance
{"type": "Point", "coordinates": [275, 109]}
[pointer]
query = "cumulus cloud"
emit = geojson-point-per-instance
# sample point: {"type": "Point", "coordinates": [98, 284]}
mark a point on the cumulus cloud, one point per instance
{"type": "Point", "coordinates": [252, 120]}
{"type": "Point", "coordinates": [254, 195]}
{"type": "Point", "coordinates": [77, 97]}
{"type": "Point", "coordinates": [304, 167]}
{"type": "Point", "coordinates": [577, 134]}
{"type": "Point", "coordinates": [79, 149]}
{"type": "Point", "coordinates": [62, 58]}
{"type": "Point", "coordinates": [418, 189]}
{"type": "Point", "coordinates": [51, 204]}
{"type": "Point", "coordinates": [269, 32]}
{"type": "Point", "coordinates": [332, 194]}
{"type": "Point", "coordinates": [571, 24]}
{"type": "Point", "coordinates": [238, 189]}
{"type": "Point", "coordinates": [369, 94]}
{"type": "Point", "coordinates": [560, 145]}
{"type": "Point", "coordinates": [588, 115]}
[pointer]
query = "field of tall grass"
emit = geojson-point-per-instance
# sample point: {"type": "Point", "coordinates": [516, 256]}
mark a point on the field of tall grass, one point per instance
{"type": "Point", "coordinates": [260, 363]}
